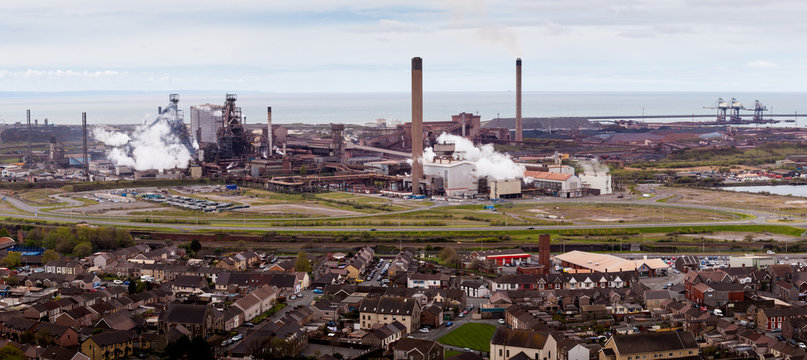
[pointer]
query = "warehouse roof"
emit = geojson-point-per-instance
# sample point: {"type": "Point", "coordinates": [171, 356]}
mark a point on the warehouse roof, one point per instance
{"type": "Point", "coordinates": [610, 263]}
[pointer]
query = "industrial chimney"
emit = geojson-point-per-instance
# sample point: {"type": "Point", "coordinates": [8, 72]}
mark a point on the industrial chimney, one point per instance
{"type": "Point", "coordinates": [519, 127]}
{"type": "Point", "coordinates": [417, 124]}
{"type": "Point", "coordinates": [269, 133]}
{"type": "Point", "coordinates": [30, 161]}
{"type": "Point", "coordinates": [86, 159]}
{"type": "Point", "coordinates": [543, 251]}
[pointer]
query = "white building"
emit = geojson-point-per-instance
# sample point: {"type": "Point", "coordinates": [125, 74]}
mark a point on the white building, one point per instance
{"type": "Point", "coordinates": [205, 122]}
{"type": "Point", "coordinates": [459, 176]}
{"type": "Point", "coordinates": [597, 180]}
{"type": "Point", "coordinates": [757, 261]}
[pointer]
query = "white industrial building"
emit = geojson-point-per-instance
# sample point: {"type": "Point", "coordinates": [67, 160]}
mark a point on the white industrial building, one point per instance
{"type": "Point", "coordinates": [459, 176]}
{"type": "Point", "coordinates": [504, 189]}
{"type": "Point", "coordinates": [597, 180]}
{"type": "Point", "coordinates": [205, 122]}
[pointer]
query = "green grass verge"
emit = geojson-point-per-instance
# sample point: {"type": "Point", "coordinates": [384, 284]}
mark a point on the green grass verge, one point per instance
{"type": "Point", "coordinates": [474, 336]}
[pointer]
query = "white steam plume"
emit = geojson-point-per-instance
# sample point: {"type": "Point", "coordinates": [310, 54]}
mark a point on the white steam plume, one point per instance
{"type": "Point", "coordinates": [593, 166]}
{"type": "Point", "coordinates": [150, 147]}
{"type": "Point", "coordinates": [110, 138]}
{"type": "Point", "coordinates": [488, 162]}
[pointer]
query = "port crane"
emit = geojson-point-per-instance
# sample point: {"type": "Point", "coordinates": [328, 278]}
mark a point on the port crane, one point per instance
{"type": "Point", "coordinates": [721, 106]}
{"type": "Point", "coordinates": [735, 107]}
{"type": "Point", "coordinates": [758, 110]}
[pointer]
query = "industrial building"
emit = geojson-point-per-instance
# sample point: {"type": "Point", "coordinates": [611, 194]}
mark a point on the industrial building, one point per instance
{"type": "Point", "coordinates": [554, 184]}
{"type": "Point", "coordinates": [205, 123]}
{"type": "Point", "coordinates": [603, 263]}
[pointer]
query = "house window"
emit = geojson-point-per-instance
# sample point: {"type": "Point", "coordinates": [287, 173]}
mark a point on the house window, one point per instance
{"type": "Point", "coordinates": [690, 352]}
{"type": "Point", "coordinates": [500, 352]}
{"type": "Point", "coordinates": [508, 353]}
{"type": "Point", "coordinates": [671, 354]}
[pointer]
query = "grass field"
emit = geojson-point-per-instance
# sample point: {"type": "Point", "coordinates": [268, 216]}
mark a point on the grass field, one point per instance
{"type": "Point", "coordinates": [40, 197]}
{"type": "Point", "coordinates": [474, 336]}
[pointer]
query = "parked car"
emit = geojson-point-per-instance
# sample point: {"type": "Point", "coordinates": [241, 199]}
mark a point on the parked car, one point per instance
{"type": "Point", "coordinates": [424, 330]}
{"type": "Point", "coordinates": [238, 337]}
{"type": "Point", "coordinates": [449, 323]}
{"type": "Point", "coordinates": [317, 291]}
{"type": "Point", "coordinates": [501, 321]}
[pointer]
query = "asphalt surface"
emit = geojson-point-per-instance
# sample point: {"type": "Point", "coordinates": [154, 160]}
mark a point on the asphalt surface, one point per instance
{"type": "Point", "coordinates": [30, 212]}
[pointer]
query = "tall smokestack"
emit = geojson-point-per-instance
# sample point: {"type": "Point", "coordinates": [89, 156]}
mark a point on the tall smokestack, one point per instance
{"type": "Point", "coordinates": [417, 123]}
{"type": "Point", "coordinates": [30, 159]}
{"type": "Point", "coordinates": [543, 251]}
{"type": "Point", "coordinates": [84, 146]}
{"type": "Point", "coordinates": [269, 133]}
{"type": "Point", "coordinates": [519, 128]}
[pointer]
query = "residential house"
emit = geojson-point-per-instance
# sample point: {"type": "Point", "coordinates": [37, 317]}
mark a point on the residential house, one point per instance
{"type": "Point", "coordinates": [509, 344]}
{"type": "Point", "coordinates": [384, 335]}
{"type": "Point", "coordinates": [66, 267]}
{"type": "Point", "coordinates": [385, 310]}
{"type": "Point", "coordinates": [112, 344]}
{"type": "Point", "coordinates": [662, 345]}
{"type": "Point", "coordinates": [773, 318]}
{"type": "Point", "coordinates": [653, 299]}
{"type": "Point", "coordinates": [62, 335]}
{"type": "Point", "coordinates": [417, 349]}
{"type": "Point", "coordinates": [475, 288]}
{"type": "Point", "coordinates": [431, 316]}
{"type": "Point", "coordinates": [427, 281]}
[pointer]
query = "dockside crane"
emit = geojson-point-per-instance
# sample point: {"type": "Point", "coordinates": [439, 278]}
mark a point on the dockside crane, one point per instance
{"type": "Point", "coordinates": [721, 106]}
{"type": "Point", "coordinates": [736, 106]}
{"type": "Point", "coordinates": [758, 110]}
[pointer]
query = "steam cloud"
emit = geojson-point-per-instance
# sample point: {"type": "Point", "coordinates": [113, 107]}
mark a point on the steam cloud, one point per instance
{"type": "Point", "coordinates": [488, 162]}
{"type": "Point", "coordinates": [593, 166]}
{"type": "Point", "coordinates": [152, 146]}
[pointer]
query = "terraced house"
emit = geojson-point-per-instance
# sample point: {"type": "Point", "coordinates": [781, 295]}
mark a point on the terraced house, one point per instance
{"type": "Point", "coordinates": [386, 310]}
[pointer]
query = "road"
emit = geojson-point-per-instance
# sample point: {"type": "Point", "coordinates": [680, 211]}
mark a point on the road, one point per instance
{"type": "Point", "coordinates": [31, 212]}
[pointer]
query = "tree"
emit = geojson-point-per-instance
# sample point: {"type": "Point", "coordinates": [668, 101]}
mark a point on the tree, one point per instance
{"type": "Point", "coordinates": [4, 233]}
{"type": "Point", "coordinates": [184, 348]}
{"type": "Point", "coordinates": [12, 260]}
{"type": "Point", "coordinates": [49, 255]}
{"type": "Point", "coordinates": [302, 264]}
{"type": "Point", "coordinates": [11, 352]}
{"type": "Point", "coordinates": [448, 255]}
{"type": "Point", "coordinates": [82, 249]}
{"type": "Point", "coordinates": [303, 170]}
{"type": "Point", "coordinates": [195, 246]}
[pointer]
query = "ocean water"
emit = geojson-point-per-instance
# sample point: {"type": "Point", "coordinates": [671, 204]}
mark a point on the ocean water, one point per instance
{"type": "Point", "coordinates": [361, 108]}
{"type": "Point", "coordinates": [793, 190]}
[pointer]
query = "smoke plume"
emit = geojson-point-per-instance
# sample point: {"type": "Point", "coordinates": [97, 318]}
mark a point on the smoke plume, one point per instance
{"type": "Point", "coordinates": [488, 162]}
{"type": "Point", "coordinates": [153, 146]}
{"type": "Point", "coordinates": [592, 166]}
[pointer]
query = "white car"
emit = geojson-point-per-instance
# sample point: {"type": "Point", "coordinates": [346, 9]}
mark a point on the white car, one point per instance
{"type": "Point", "coordinates": [424, 330]}
{"type": "Point", "coordinates": [501, 321]}
{"type": "Point", "coordinates": [117, 282]}
{"type": "Point", "coordinates": [237, 338]}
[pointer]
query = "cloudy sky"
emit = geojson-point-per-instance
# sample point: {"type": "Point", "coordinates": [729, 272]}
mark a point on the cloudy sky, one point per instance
{"type": "Point", "coordinates": [366, 46]}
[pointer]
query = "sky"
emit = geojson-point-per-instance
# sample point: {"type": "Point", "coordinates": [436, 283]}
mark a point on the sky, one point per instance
{"type": "Point", "coordinates": [317, 46]}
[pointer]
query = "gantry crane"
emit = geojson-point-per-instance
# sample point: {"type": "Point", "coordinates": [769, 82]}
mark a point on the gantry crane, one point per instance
{"type": "Point", "coordinates": [758, 110]}
{"type": "Point", "coordinates": [736, 106]}
{"type": "Point", "coordinates": [721, 107]}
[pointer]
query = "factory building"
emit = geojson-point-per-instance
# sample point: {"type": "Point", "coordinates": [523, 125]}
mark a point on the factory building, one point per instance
{"type": "Point", "coordinates": [597, 182]}
{"type": "Point", "coordinates": [205, 121]}
{"type": "Point", "coordinates": [504, 189]}
{"type": "Point", "coordinates": [459, 177]}
{"type": "Point", "coordinates": [555, 184]}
